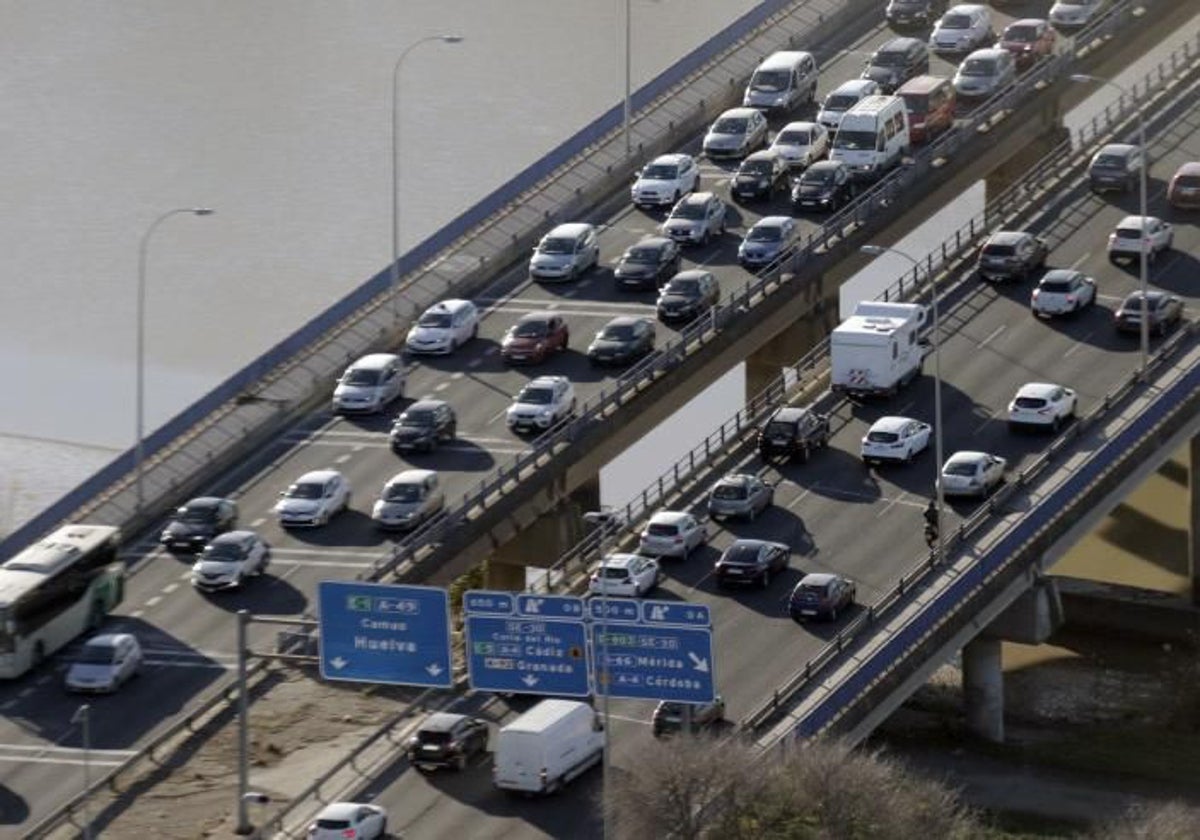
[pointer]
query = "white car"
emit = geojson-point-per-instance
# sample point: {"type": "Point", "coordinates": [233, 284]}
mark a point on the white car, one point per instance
{"type": "Point", "coordinates": [444, 327]}
{"type": "Point", "coordinates": [340, 820]}
{"type": "Point", "coordinates": [895, 439]}
{"type": "Point", "coordinates": [104, 663]}
{"type": "Point", "coordinates": [566, 252]}
{"type": "Point", "coordinates": [842, 98]}
{"type": "Point", "coordinates": [229, 559]}
{"type": "Point", "coordinates": [736, 133]}
{"type": "Point", "coordinates": [1073, 14]}
{"type": "Point", "coordinates": [961, 29]}
{"type": "Point", "coordinates": [1063, 291]}
{"type": "Point", "coordinates": [802, 143]}
{"type": "Point", "coordinates": [972, 473]}
{"type": "Point", "coordinates": [625, 574]}
{"type": "Point", "coordinates": [665, 180]}
{"type": "Point", "coordinates": [313, 499]}
{"type": "Point", "coordinates": [408, 499]}
{"type": "Point", "coordinates": [1041, 404]}
{"type": "Point", "coordinates": [543, 402]}
{"type": "Point", "coordinates": [672, 533]}
{"type": "Point", "coordinates": [1126, 242]}
{"type": "Point", "coordinates": [369, 384]}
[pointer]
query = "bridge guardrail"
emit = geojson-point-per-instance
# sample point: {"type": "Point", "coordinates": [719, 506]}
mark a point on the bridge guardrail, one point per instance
{"type": "Point", "coordinates": [888, 192]}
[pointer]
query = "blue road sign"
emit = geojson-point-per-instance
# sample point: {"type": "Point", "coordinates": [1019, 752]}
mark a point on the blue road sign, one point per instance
{"type": "Point", "coordinates": [375, 633]}
{"type": "Point", "coordinates": [654, 662]}
{"type": "Point", "coordinates": [527, 655]}
{"type": "Point", "coordinates": [550, 606]}
{"type": "Point", "coordinates": [676, 612]}
{"type": "Point", "coordinates": [614, 609]}
{"type": "Point", "coordinates": [486, 602]}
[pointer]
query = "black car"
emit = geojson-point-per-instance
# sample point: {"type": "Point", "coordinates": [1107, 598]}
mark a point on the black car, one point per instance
{"type": "Point", "coordinates": [447, 740]}
{"type": "Point", "coordinates": [896, 61]}
{"type": "Point", "coordinates": [1164, 310]}
{"type": "Point", "coordinates": [669, 716]}
{"type": "Point", "coordinates": [648, 264]}
{"type": "Point", "coordinates": [1011, 255]}
{"type": "Point", "coordinates": [824, 186]}
{"type": "Point", "coordinates": [751, 561]}
{"type": "Point", "coordinates": [197, 522]}
{"type": "Point", "coordinates": [689, 294]}
{"type": "Point", "coordinates": [1117, 166]}
{"type": "Point", "coordinates": [792, 431]}
{"type": "Point", "coordinates": [624, 339]}
{"type": "Point", "coordinates": [760, 175]}
{"type": "Point", "coordinates": [913, 13]}
{"type": "Point", "coordinates": [422, 426]}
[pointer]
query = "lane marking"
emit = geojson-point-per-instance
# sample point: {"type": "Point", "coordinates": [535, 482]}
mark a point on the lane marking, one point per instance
{"type": "Point", "coordinates": [169, 588]}
{"type": "Point", "coordinates": [441, 386]}
{"type": "Point", "coordinates": [52, 749]}
{"type": "Point", "coordinates": [993, 334]}
{"type": "Point", "coordinates": [258, 522]}
{"type": "Point", "coordinates": [1087, 255]}
{"type": "Point", "coordinates": [330, 564]}
{"type": "Point", "coordinates": [150, 602]}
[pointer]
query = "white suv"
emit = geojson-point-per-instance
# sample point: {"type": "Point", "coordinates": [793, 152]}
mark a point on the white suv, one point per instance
{"type": "Point", "coordinates": [444, 327]}
{"type": "Point", "coordinates": [665, 180]}
{"type": "Point", "coordinates": [1041, 404]}
{"type": "Point", "coordinates": [542, 403]}
{"type": "Point", "coordinates": [672, 533]}
{"type": "Point", "coordinates": [1133, 233]}
{"type": "Point", "coordinates": [369, 384]}
{"type": "Point", "coordinates": [313, 499]}
{"type": "Point", "coordinates": [625, 574]}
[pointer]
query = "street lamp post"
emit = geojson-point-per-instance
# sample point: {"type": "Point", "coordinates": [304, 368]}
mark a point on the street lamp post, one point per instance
{"type": "Point", "coordinates": [395, 281]}
{"type": "Point", "coordinates": [143, 253]}
{"type": "Point", "coordinates": [605, 519]}
{"type": "Point", "coordinates": [83, 717]}
{"type": "Point", "coordinates": [1144, 256]}
{"type": "Point", "coordinates": [627, 104]}
{"type": "Point", "coordinates": [878, 250]}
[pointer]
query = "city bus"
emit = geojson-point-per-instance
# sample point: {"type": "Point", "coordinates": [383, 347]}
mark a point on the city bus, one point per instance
{"type": "Point", "coordinates": [54, 590]}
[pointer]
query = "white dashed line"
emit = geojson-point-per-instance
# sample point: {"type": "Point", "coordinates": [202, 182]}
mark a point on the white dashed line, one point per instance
{"type": "Point", "coordinates": [150, 602]}
{"type": "Point", "coordinates": [458, 374]}
{"type": "Point", "coordinates": [137, 614]}
{"type": "Point", "coordinates": [169, 588]}
{"type": "Point", "coordinates": [993, 334]}
{"type": "Point", "coordinates": [441, 386]}
{"type": "Point", "coordinates": [341, 459]}
{"type": "Point", "coordinates": [258, 522]}
{"type": "Point", "coordinates": [1081, 260]}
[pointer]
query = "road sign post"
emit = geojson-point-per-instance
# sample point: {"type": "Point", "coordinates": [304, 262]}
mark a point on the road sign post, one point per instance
{"type": "Point", "coordinates": [399, 635]}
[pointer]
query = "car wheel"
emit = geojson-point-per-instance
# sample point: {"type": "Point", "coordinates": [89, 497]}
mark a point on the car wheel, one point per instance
{"type": "Point", "coordinates": [675, 198]}
{"type": "Point", "coordinates": [460, 762]}
{"type": "Point", "coordinates": [565, 342]}
{"type": "Point", "coordinates": [452, 431]}
{"type": "Point", "coordinates": [382, 829]}
{"type": "Point", "coordinates": [1056, 423]}
{"type": "Point", "coordinates": [766, 578]}
{"type": "Point", "coordinates": [833, 613]}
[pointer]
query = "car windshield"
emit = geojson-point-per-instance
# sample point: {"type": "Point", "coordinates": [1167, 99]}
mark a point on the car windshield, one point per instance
{"type": "Point", "coordinates": [1021, 33]}
{"type": "Point", "coordinates": [332, 825]}
{"type": "Point", "coordinates": [661, 529]}
{"type": "Point", "coordinates": [198, 515]}
{"type": "Point", "coordinates": [618, 332]}
{"type": "Point", "coordinates": [531, 329]}
{"type": "Point", "coordinates": [1188, 181]}
{"type": "Point", "coordinates": [916, 103]}
{"type": "Point", "coordinates": [810, 592]}
{"type": "Point", "coordinates": [1109, 161]}
{"type": "Point", "coordinates": [689, 210]}
{"type": "Point", "coordinates": [755, 167]}
{"type": "Point", "coordinates": [795, 137]}
{"type": "Point", "coordinates": [417, 418]}
{"type": "Point", "coordinates": [660, 172]}
{"type": "Point", "coordinates": [440, 320]}
{"type": "Point", "coordinates": [536, 396]}
{"type": "Point", "coordinates": [840, 101]}
{"type": "Point", "coordinates": [978, 67]}
{"type": "Point", "coordinates": [403, 493]}
{"type": "Point", "coordinates": [305, 490]}
{"type": "Point", "coordinates": [669, 708]}
{"type": "Point", "coordinates": [740, 554]}
{"type": "Point", "coordinates": [364, 378]}
{"type": "Point", "coordinates": [882, 437]}
{"type": "Point", "coordinates": [852, 140]}
{"type": "Point", "coordinates": [956, 22]}
{"type": "Point", "coordinates": [425, 736]}
{"type": "Point", "coordinates": [998, 250]}
{"type": "Point", "coordinates": [614, 572]}
{"type": "Point", "coordinates": [888, 58]}
{"type": "Point", "coordinates": [770, 81]}
{"type": "Point", "coordinates": [729, 491]}
{"type": "Point", "coordinates": [1060, 287]}
{"type": "Point", "coordinates": [687, 288]}
{"type": "Point", "coordinates": [642, 256]}
{"type": "Point", "coordinates": [223, 552]}
{"type": "Point", "coordinates": [1134, 302]}
{"type": "Point", "coordinates": [1030, 402]}
{"type": "Point", "coordinates": [97, 654]}
{"type": "Point", "coordinates": [764, 233]}
{"type": "Point", "coordinates": [959, 468]}
{"type": "Point", "coordinates": [778, 428]}
{"type": "Point", "coordinates": [817, 176]}
{"type": "Point", "coordinates": [556, 245]}
{"type": "Point", "coordinates": [730, 125]}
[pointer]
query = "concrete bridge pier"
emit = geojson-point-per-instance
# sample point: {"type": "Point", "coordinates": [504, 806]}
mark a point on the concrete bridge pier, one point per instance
{"type": "Point", "coordinates": [1194, 517]}
{"type": "Point", "coordinates": [764, 365]}
{"type": "Point", "coordinates": [983, 688]}
{"type": "Point", "coordinates": [542, 540]}
{"type": "Point", "coordinates": [1012, 169]}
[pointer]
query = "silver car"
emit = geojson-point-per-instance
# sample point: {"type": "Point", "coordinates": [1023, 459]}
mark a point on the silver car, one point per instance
{"type": "Point", "coordinates": [408, 499]}
{"type": "Point", "coordinates": [767, 240]}
{"type": "Point", "coordinates": [984, 72]}
{"type": "Point", "coordinates": [696, 219]}
{"type": "Point", "coordinates": [740, 494]}
{"type": "Point", "coordinates": [736, 133]}
{"type": "Point", "coordinates": [963, 28]}
{"type": "Point", "coordinates": [104, 663]}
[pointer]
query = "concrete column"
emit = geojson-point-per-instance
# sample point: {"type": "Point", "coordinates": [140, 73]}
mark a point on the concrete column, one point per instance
{"type": "Point", "coordinates": [983, 689]}
{"type": "Point", "coordinates": [1194, 517]}
{"type": "Point", "coordinates": [786, 348]}
{"type": "Point", "coordinates": [504, 576]}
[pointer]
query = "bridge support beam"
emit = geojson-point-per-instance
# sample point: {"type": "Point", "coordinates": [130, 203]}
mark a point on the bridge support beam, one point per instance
{"type": "Point", "coordinates": [763, 366]}
{"type": "Point", "coordinates": [983, 689]}
{"type": "Point", "coordinates": [1194, 517]}
{"type": "Point", "coordinates": [1013, 169]}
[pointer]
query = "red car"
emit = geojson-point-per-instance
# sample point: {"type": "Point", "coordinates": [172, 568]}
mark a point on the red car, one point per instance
{"type": "Point", "coordinates": [534, 337]}
{"type": "Point", "coordinates": [1184, 191]}
{"type": "Point", "coordinates": [1029, 40]}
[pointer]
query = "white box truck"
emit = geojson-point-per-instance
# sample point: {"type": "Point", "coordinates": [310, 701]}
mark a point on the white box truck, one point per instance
{"type": "Point", "coordinates": [877, 350]}
{"type": "Point", "coordinates": [548, 746]}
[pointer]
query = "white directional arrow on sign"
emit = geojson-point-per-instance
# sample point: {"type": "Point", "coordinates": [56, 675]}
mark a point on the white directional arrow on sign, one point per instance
{"type": "Point", "coordinates": [434, 669]}
{"type": "Point", "coordinates": [529, 680]}
{"type": "Point", "coordinates": [339, 663]}
{"type": "Point", "coordinates": [698, 663]}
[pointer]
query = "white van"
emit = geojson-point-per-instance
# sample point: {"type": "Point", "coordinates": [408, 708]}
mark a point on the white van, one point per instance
{"type": "Point", "coordinates": [783, 81]}
{"type": "Point", "coordinates": [873, 136]}
{"type": "Point", "coordinates": [548, 746]}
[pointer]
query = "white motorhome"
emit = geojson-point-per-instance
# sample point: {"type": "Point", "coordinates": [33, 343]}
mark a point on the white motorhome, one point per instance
{"type": "Point", "coordinates": [877, 349]}
{"type": "Point", "coordinates": [783, 81]}
{"type": "Point", "coordinates": [872, 136]}
{"type": "Point", "coordinates": [547, 747]}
